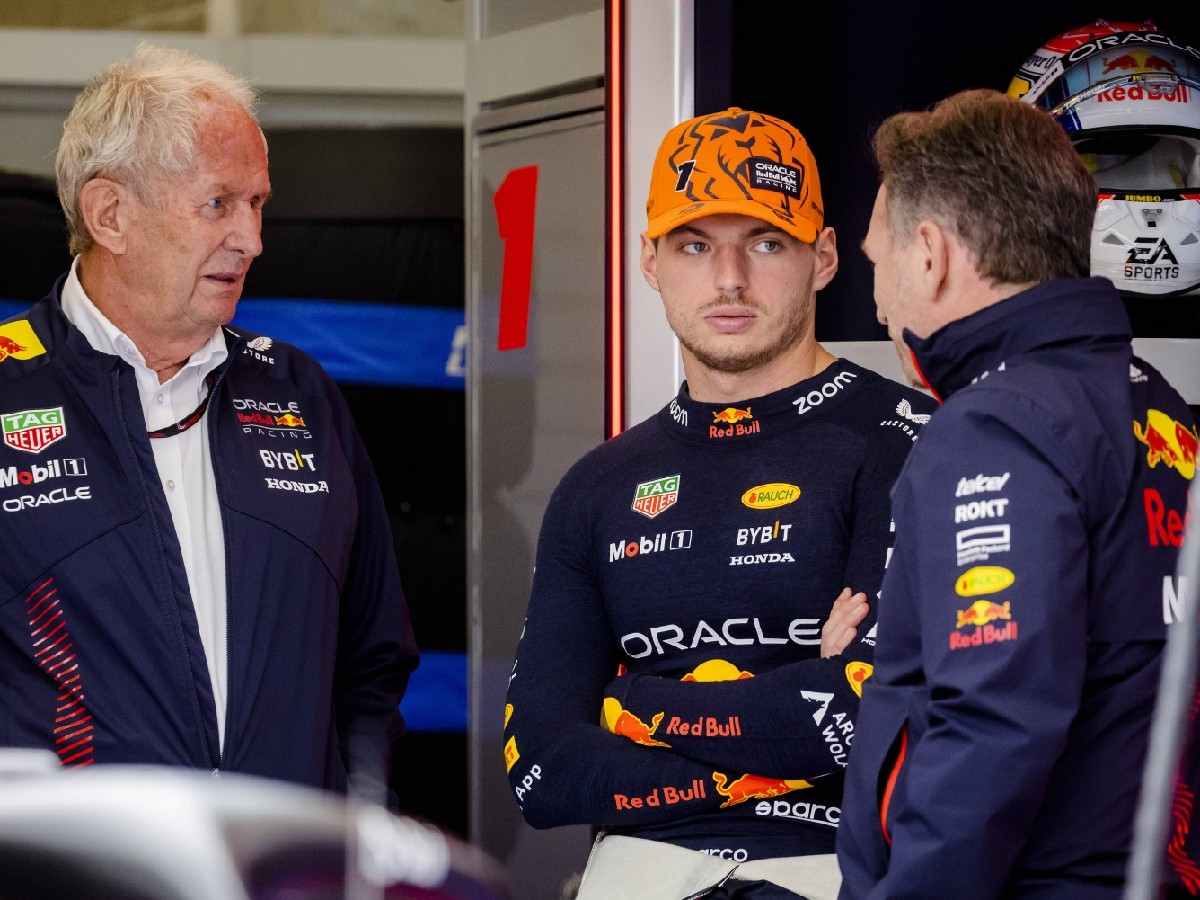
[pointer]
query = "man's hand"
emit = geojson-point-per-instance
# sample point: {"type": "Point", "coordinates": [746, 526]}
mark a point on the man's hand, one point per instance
{"type": "Point", "coordinates": [842, 625]}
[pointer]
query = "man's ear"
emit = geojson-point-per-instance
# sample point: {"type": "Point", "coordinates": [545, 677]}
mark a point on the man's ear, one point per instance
{"type": "Point", "coordinates": [105, 206]}
{"type": "Point", "coordinates": [932, 245]}
{"type": "Point", "coordinates": [649, 262]}
{"type": "Point", "coordinates": [825, 246]}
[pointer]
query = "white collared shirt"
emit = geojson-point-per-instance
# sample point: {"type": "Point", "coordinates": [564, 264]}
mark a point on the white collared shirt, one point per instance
{"type": "Point", "coordinates": [184, 467]}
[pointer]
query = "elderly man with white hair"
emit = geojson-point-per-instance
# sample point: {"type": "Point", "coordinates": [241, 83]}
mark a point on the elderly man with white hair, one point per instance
{"type": "Point", "coordinates": [198, 567]}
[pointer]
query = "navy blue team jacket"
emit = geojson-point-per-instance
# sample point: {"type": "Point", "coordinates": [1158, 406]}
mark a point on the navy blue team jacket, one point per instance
{"type": "Point", "coordinates": [700, 553]}
{"type": "Point", "coordinates": [100, 654]}
{"type": "Point", "coordinates": [1024, 612]}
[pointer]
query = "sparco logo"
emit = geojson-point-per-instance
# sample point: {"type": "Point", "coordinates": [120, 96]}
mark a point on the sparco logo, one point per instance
{"type": "Point", "coordinates": [815, 398]}
{"type": "Point", "coordinates": [732, 632]}
{"type": "Point", "coordinates": [801, 812]}
{"type": "Point", "coordinates": [10, 476]}
{"type": "Point", "coordinates": [676, 540]}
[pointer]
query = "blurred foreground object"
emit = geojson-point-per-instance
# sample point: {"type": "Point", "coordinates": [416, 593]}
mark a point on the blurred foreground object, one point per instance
{"type": "Point", "coordinates": [146, 833]}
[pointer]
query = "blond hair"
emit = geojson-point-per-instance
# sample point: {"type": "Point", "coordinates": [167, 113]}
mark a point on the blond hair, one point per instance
{"type": "Point", "coordinates": [138, 120]}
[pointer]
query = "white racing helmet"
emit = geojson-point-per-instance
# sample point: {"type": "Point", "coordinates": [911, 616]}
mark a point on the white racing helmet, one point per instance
{"type": "Point", "coordinates": [1129, 97]}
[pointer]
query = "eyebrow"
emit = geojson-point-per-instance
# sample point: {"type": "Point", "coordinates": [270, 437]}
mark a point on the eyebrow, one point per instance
{"type": "Point", "coordinates": [753, 232]}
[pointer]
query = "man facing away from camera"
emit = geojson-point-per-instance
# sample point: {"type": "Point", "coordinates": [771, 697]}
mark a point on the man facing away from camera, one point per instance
{"type": "Point", "coordinates": [1038, 523]}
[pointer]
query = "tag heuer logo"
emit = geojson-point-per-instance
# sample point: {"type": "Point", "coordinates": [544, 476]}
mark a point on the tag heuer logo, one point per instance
{"type": "Point", "coordinates": [33, 430]}
{"type": "Point", "coordinates": [657, 496]}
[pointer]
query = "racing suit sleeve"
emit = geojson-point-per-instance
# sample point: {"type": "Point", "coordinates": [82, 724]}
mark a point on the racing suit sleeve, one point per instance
{"type": "Point", "coordinates": [999, 582]}
{"type": "Point", "coordinates": [563, 767]}
{"type": "Point", "coordinates": [376, 650]}
{"type": "Point", "coordinates": [795, 721]}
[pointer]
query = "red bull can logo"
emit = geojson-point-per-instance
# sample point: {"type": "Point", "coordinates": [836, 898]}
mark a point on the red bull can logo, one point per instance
{"type": "Point", "coordinates": [981, 614]}
{"type": "Point", "coordinates": [754, 787]}
{"type": "Point", "coordinates": [1168, 442]}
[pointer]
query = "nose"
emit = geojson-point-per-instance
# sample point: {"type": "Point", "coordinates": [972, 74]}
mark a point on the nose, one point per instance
{"type": "Point", "coordinates": [731, 271]}
{"type": "Point", "coordinates": [245, 233]}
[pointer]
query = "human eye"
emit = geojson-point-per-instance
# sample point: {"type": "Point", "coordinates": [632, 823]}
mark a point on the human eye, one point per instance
{"type": "Point", "coordinates": [693, 248]}
{"type": "Point", "coordinates": [768, 245]}
{"type": "Point", "coordinates": [216, 204]}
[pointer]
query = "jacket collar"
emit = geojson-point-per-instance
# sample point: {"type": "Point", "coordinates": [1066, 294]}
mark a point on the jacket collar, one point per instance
{"type": "Point", "coordinates": [1053, 313]}
{"type": "Point", "coordinates": [757, 417]}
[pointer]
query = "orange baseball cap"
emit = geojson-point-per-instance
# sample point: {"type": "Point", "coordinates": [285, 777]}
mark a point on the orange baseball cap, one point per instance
{"type": "Point", "coordinates": [735, 161]}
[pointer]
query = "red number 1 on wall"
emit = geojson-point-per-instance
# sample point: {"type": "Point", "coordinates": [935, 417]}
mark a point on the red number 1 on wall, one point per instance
{"type": "Point", "coordinates": [515, 202]}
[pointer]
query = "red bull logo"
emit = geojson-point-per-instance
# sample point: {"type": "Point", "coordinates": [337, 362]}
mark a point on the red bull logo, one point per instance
{"type": "Point", "coordinates": [289, 420]}
{"type": "Point", "coordinates": [622, 722]}
{"type": "Point", "coordinates": [717, 670]}
{"type": "Point", "coordinates": [18, 340]}
{"type": "Point", "coordinates": [1168, 442]}
{"type": "Point", "coordinates": [754, 787]}
{"type": "Point", "coordinates": [1137, 61]}
{"type": "Point", "coordinates": [731, 415]}
{"type": "Point", "coordinates": [981, 614]}
{"type": "Point", "coordinates": [9, 347]}
{"type": "Point", "coordinates": [983, 611]}
{"type": "Point", "coordinates": [706, 726]}
{"type": "Point", "coordinates": [665, 796]}
{"type": "Point", "coordinates": [732, 418]}
{"type": "Point", "coordinates": [1165, 527]}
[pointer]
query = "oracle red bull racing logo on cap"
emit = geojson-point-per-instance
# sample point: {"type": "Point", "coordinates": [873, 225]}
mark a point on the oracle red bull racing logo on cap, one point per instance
{"type": "Point", "coordinates": [1168, 442]}
{"type": "Point", "coordinates": [33, 430]}
{"type": "Point", "coordinates": [654, 497]}
{"type": "Point", "coordinates": [980, 616]}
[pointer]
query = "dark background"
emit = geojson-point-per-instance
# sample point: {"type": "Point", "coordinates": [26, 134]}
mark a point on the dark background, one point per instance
{"type": "Point", "coordinates": [836, 71]}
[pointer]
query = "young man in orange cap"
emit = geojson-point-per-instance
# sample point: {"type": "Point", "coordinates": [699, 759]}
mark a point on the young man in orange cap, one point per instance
{"type": "Point", "coordinates": [670, 685]}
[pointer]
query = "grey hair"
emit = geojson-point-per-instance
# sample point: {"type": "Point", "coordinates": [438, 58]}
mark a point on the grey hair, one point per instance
{"type": "Point", "coordinates": [137, 120]}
